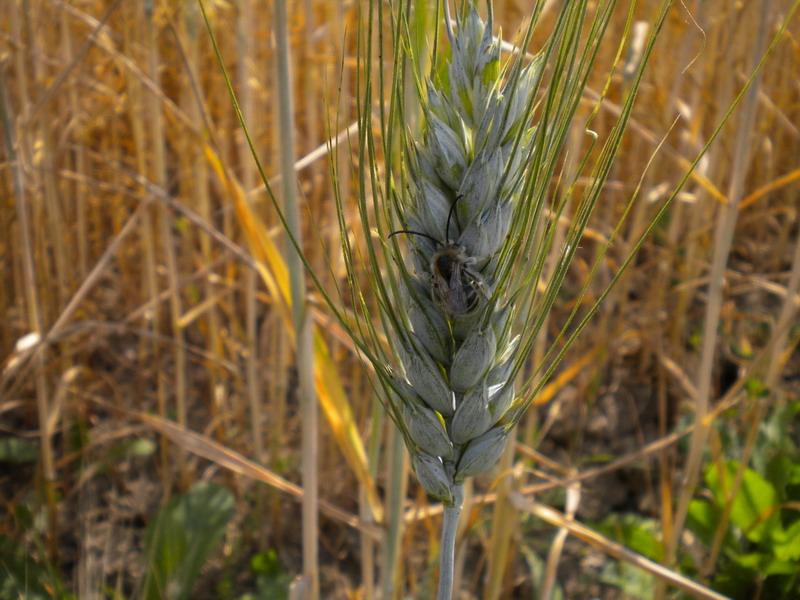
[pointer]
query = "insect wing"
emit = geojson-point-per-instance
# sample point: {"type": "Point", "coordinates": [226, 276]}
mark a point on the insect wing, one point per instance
{"type": "Point", "coordinates": [444, 295]}
{"type": "Point", "coordinates": [457, 300]}
{"type": "Point", "coordinates": [452, 284]}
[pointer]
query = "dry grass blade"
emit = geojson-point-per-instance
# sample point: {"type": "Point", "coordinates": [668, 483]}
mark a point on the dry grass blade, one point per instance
{"type": "Point", "coordinates": [225, 457]}
{"type": "Point", "coordinates": [330, 391]}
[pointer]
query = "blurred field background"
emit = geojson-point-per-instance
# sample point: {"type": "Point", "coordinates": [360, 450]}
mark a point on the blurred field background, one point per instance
{"type": "Point", "coordinates": [136, 293]}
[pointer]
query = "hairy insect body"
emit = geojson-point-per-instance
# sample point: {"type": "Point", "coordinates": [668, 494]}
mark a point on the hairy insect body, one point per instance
{"type": "Point", "coordinates": [455, 284]}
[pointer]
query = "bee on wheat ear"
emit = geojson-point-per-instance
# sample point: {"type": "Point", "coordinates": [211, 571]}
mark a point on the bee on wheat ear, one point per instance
{"type": "Point", "coordinates": [455, 285]}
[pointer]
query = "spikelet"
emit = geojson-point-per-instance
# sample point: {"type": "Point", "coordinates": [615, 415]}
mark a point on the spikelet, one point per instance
{"type": "Point", "coordinates": [464, 177]}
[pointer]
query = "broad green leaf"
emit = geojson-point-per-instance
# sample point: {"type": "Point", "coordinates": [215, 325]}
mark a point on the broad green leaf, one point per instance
{"type": "Point", "coordinates": [754, 504]}
{"type": "Point", "coordinates": [182, 537]}
{"type": "Point", "coordinates": [639, 534]}
{"type": "Point", "coordinates": [786, 543]}
{"type": "Point", "coordinates": [702, 519]}
{"type": "Point", "coordinates": [765, 564]}
{"type": "Point", "coordinates": [774, 566]}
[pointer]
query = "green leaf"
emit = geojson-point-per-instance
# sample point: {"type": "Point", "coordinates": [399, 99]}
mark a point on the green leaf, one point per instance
{"type": "Point", "coordinates": [639, 534]}
{"type": "Point", "coordinates": [794, 475]}
{"type": "Point", "coordinates": [786, 543]}
{"type": "Point", "coordinates": [18, 450]}
{"type": "Point", "coordinates": [272, 582]}
{"type": "Point", "coordinates": [181, 538]}
{"type": "Point", "coordinates": [778, 470]}
{"type": "Point", "coordinates": [765, 565]}
{"type": "Point", "coordinates": [634, 582]}
{"type": "Point", "coordinates": [756, 388]}
{"type": "Point", "coordinates": [702, 519]}
{"type": "Point", "coordinates": [779, 567]}
{"type": "Point", "coordinates": [752, 507]}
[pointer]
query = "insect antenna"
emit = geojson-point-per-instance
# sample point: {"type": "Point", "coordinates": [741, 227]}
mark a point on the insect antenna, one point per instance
{"type": "Point", "coordinates": [449, 216]}
{"type": "Point", "coordinates": [410, 232]}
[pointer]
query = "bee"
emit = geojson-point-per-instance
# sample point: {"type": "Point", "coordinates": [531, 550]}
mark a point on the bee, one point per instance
{"type": "Point", "coordinates": [455, 285]}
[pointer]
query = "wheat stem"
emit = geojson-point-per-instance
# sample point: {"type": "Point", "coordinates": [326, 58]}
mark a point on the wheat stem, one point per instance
{"type": "Point", "coordinates": [452, 513]}
{"type": "Point", "coordinates": [302, 323]}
